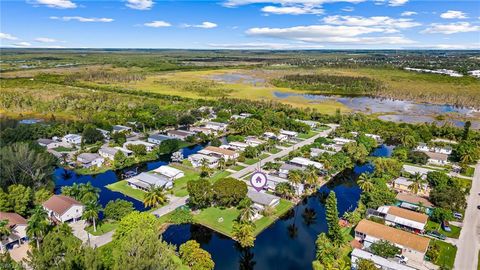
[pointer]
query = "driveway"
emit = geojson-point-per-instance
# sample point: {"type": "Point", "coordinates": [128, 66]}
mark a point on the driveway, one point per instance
{"type": "Point", "coordinates": [468, 243]}
{"type": "Point", "coordinates": [174, 203]}
{"type": "Point", "coordinates": [78, 229]}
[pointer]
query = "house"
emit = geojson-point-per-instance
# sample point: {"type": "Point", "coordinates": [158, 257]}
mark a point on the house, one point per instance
{"type": "Point", "coordinates": [49, 144]}
{"type": "Point", "coordinates": [287, 167]}
{"type": "Point", "coordinates": [334, 147]}
{"type": "Point", "coordinates": [105, 133]}
{"type": "Point", "coordinates": [148, 146]}
{"type": "Point", "coordinates": [18, 230]}
{"type": "Point", "coordinates": [109, 152]}
{"type": "Point", "coordinates": [412, 246]}
{"type": "Point", "coordinates": [253, 141]}
{"type": "Point", "coordinates": [262, 200]}
{"type": "Point", "coordinates": [273, 136]}
{"type": "Point", "coordinates": [216, 126]}
{"type": "Point", "coordinates": [241, 116]}
{"type": "Point", "coordinates": [273, 181]}
{"type": "Point", "coordinates": [342, 141]}
{"type": "Point", "coordinates": [380, 262]}
{"type": "Point", "coordinates": [414, 170]}
{"type": "Point", "coordinates": [403, 218]}
{"type": "Point", "coordinates": [144, 181]}
{"type": "Point", "coordinates": [72, 139]}
{"type": "Point", "coordinates": [290, 134]}
{"type": "Point", "coordinates": [203, 130]}
{"type": "Point", "coordinates": [305, 162]}
{"type": "Point", "coordinates": [311, 124]}
{"type": "Point", "coordinates": [402, 184]}
{"type": "Point", "coordinates": [237, 146]}
{"type": "Point", "coordinates": [376, 137]}
{"type": "Point", "coordinates": [120, 128]}
{"type": "Point", "coordinates": [437, 158]}
{"type": "Point", "coordinates": [169, 172]}
{"type": "Point", "coordinates": [219, 152]}
{"type": "Point", "coordinates": [315, 152]}
{"type": "Point", "coordinates": [88, 160]}
{"type": "Point", "coordinates": [62, 208]}
{"type": "Point", "coordinates": [413, 202]}
{"type": "Point", "coordinates": [423, 147]}
{"type": "Point", "coordinates": [197, 160]}
{"type": "Point", "coordinates": [158, 138]}
{"type": "Point", "coordinates": [180, 134]}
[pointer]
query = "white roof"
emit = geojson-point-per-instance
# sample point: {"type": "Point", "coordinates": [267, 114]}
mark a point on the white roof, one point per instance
{"type": "Point", "coordinates": [384, 263]}
{"type": "Point", "coordinates": [201, 156]}
{"type": "Point", "coordinates": [147, 144]}
{"type": "Point", "coordinates": [72, 136]}
{"type": "Point", "coordinates": [148, 178]}
{"type": "Point", "coordinates": [414, 169]}
{"type": "Point", "coordinates": [406, 182]}
{"type": "Point", "coordinates": [168, 171]}
{"type": "Point", "coordinates": [238, 144]}
{"type": "Point", "coordinates": [342, 140]}
{"type": "Point", "coordinates": [217, 124]}
{"type": "Point", "coordinates": [306, 162]}
{"type": "Point", "coordinates": [288, 132]}
{"type": "Point", "coordinates": [261, 197]}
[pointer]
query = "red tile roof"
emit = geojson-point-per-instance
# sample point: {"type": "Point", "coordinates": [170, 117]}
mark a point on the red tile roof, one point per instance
{"type": "Point", "coordinates": [60, 204]}
{"type": "Point", "coordinates": [13, 218]}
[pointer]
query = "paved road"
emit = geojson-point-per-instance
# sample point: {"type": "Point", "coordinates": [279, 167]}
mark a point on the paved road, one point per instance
{"type": "Point", "coordinates": [280, 154]}
{"type": "Point", "coordinates": [468, 243]}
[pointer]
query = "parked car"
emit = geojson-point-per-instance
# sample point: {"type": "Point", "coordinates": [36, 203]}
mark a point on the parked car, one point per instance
{"type": "Point", "coordinates": [457, 215]}
{"type": "Point", "coordinates": [436, 234]}
{"type": "Point", "coordinates": [446, 226]}
{"type": "Point", "coordinates": [401, 259]}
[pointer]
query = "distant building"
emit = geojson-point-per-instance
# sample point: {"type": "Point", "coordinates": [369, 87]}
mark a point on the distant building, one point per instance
{"type": "Point", "coordinates": [311, 124]}
{"type": "Point", "coordinates": [72, 139]}
{"type": "Point", "coordinates": [216, 126]}
{"type": "Point", "coordinates": [109, 152]}
{"type": "Point", "coordinates": [88, 160]}
{"type": "Point", "coordinates": [203, 130]}
{"type": "Point", "coordinates": [253, 141]}
{"type": "Point", "coordinates": [219, 152]}
{"type": "Point", "coordinates": [18, 230]}
{"type": "Point", "coordinates": [180, 134]}
{"type": "Point", "coordinates": [342, 141]}
{"type": "Point", "coordinates": [148, 146]}
{"type": "Point", "coordinates": [159, 138]}
{"type": "Point", "coordinates": [315, 152]}
{"type": "Point", "coordinates": [105, 133]}
{"type": "Point", "coordinates": [412, 246]}
{"type": "Point", "coordinates": [305, 162]}
{"type": "Point", "coordinates": [437, 158]}
{"type": "Point", "coordinates": [403, 218]}
{"type": "Point", "coordinates": [49, 144]}
{"type": "Point", "coordinates": [62, 208]}
{"type": "Point", "coordinates": [169, 172]}
{"type": "Point", "coordinates": [120, 128]}
{"type": "Point", "coordinates": [285, 169]}
{"type": "Point", "coordinates": [403, 184]}
{"type": "Point", "coordinates": [273, 136]}
{"type": "Point", "coordinates": [290, 134]}
{"type": "Point", "coordinates": [197, 160]}
{"type": "Point", "coordinates": [414, 169]}
{"type": "Point", "coordinates": [376, 137]}
{"type": "Point", "coordinates": [237, 146]}
{"type": "Point", "coordinates": [413, 202]}
{"type": "Point", "coordinates": [380, 262]}
{"type": "Point", "coordinates": [144, 181]}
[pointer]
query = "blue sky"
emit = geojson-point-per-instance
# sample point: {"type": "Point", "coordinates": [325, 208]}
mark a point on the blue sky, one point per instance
{"type": "Point", "coordinates": [241, 24]}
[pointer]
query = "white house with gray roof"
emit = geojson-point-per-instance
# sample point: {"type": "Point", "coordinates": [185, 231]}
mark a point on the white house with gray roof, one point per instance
{"type": "Point", "coordinates": [159, 138]}
{"type": "Point", "coordinates": [88, 160]}
{"type": "Point", "coordinates": [145, 181]}
{"type": "Point", "coordinates": [148, 146]}
{"type": "Point", "coordinates": [109, 152]}
{"type": "Point", "coordinates": [262, 200]}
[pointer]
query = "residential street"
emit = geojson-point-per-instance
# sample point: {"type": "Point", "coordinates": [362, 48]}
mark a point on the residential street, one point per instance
{"type": "Point", "coordinates": [280, 154]}
{"type": "Point", "coordinates": [468, 243]}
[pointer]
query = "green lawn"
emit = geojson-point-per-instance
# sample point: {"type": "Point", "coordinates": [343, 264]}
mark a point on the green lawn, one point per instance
{"type": "Point", "coordinates": [447, 254]}
{"type": "Point", "coordinates": [62, 149]}
{"type": "Point", "coordinates": [250, 161]}
{"type": "Point", "coordinates": [102, 228]}
{"type": "Point", "coordinates": [209, 217]}
{"type": "Point", "coordinates": [263, 156]}
{"type": "Point", "coordinates": [237, 167]}
{"type": "Point", "coordinates": [469, 172]}
{"type": "Point", "coordinates": [307, 135]}
{"type": "Point", "coordinates": [274, 150]}
{"type": "Point", "coordinates": [455, 233]}
{"type": "Point", "coordinates": [124, 188]}
{"type": "Point", "coordinates": [180, 185]}
{"type": "Point", "coordinates": [219, 175]}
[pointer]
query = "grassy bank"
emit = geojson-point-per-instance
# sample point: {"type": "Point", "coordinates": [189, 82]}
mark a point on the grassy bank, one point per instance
{"type": "Point", "coordinates": [123, 187]}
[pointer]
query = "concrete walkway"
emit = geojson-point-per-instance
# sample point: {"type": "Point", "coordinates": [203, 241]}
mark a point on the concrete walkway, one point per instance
{"type": "Point", "coordinates": [468, 243]}
{"type": "Point", "coordinates": [284, 152]}
{"type": "Point", "coordinates": [78, 229]}
{"type": "Point", "coordinates": [174, 203]}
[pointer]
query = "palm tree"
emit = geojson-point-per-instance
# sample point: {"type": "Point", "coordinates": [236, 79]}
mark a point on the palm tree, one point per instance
{"type": "Point", "coordinates": [311, 176]}
{"type": "Point", "coordinates": [284, 189]}
{"type": "Point", "coordinates": [295, 177]}
{"type": "Point", "coordinates": [88, 193]}
{"type": "Point", "coordinates": [154, 196]}
{"type": "Point", "coordinates": [4, 229]}
{"type": "Point", "coordinates": [247, 213]}
{"type": "Point", "coordinates": [417, 183]}
{"type": "Point", "coordinates": [221, 163]}
{"type": "Point", "coordinates": [92, 209]}
{"type": "Point", "coordinates": [243, 233]}
{"type": "Point", "coordinates": [365, 182]}
{"type": "Point", "coordinates": [37, 225]}
{"type": "Point", "coordinates": [309, 216]}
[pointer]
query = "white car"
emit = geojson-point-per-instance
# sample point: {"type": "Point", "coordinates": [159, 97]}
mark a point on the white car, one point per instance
{"type": "Point", "coordinates": [401, 259]}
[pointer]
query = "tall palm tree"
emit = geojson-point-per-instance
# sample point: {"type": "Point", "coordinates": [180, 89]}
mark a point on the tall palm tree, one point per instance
{"type": "Point", "coordinates": [284, 189]}
{"type": "Point", "coordinates": [247, 213]}
{"type": "Point", "coordinates": [243, 233]}
{"type": "Point", "coordinates": [365, 182]}
{"type": "Point", "coordinates": [417, 183]}
{"type": "Point", "coordinates": [154, 196]}
{"type": "Point", "coordinates": [222, 163]}
{"type": "Point", "coordinates": [88, 193]}
{"type": "Point", "coordinates": [92, 209]}
{"type": "Point", "coordinates": [4, 228]}
{"type": "Point", "coordinates": [37, 225]}
{"type": "Point", "coordinates": [311, 176]}
{"type": "Point", "coordinates": [295, 177]}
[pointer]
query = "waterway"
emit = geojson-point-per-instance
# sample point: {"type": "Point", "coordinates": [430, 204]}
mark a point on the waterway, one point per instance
{"type": "Point", "coordinates": [288, 244]}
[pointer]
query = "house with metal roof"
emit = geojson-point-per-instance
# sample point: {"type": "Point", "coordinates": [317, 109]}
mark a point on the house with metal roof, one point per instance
{"type": "Point", "coordinates": [148, 146]}
{"type": "Point", "coordinates": [380, 262]}
{"type": "Point", "coordinates": [262, 199]}
{"type": "Point", "coordinates": [88, 160]}
{"type": "Point", "coordinates": [180, 134]}
{"type": "Point", "coordinates": [109, 152]}
{"type": "Point", "coordinates": [305, 162]}
{"type": "Point", "coordinates": [198, 160]}
{"type": "Point", "coordinates": [144, 181]}
{"type": "Point", "coordinates": [287, 167]}
{"type": "Point", "coordinates": [159, 138]}
{"type": "Point", "coordinates": [403, 218]}
{"type": "Point", "coordinates": [169, 172]}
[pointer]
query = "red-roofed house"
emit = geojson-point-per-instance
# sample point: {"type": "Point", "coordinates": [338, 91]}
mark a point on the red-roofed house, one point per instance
{"type": "Point", "coordinates": [63, 208]}
{"type": "Point", "coordinates": [18, 230]}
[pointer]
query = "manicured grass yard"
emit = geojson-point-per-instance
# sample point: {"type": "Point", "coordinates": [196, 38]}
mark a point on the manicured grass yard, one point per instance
{"type": "Point", "coordinates": [62, 149]}
{"type": "Point", "coordinates": [219, 175]}
{"type": "Point", "coordinates": [102, 228]}
{"type": "Point", "coordinates": [250, 161]}
{"type": "Point", "coordinates": [237, 167]}
{"type": "Point", "coordinates": [209, 218]}
{"type": "Point", "coordinates": [455, 233]}
{"type": "Point", "coordinates": [124, 188]}
{"type": "Point", "coordinates": [180, 185]}
{"type": "Point", "coordinates": [263, 156]}
{"type": "Point", "coordinates": [274, 150]}
{"type": "Point", "coordinates": [307, 135]}
{"type": "Point", "coordinates": [447, 254]}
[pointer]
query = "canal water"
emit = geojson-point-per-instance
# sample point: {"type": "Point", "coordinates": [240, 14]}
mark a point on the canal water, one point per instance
{"type": "Point", "coordinates": [288, 244]}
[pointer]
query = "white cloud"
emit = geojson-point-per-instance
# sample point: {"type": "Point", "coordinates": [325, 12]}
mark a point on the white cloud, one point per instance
{"type": "Point", "coordinates": [396, 3]}
{"type": "Point", "coordinates": [451, 28]}
{"type": "Point", "coordinates": [348, 9]}
{"type": "Point", "coordinates": [57, 3]}
{"type": "Point", "coordinates": [454, 14]}
{"type": "Point", "coordinates": [157, 24]}
{"type": "Point", "coordinates": [45, 40]}
{"type": "Point", "coordinates": [206, 25]}
{"type": "Point", "coordinates": [22, 44]}
{"type": "Point", "coordinates": [7, 36]}
{"type": "Point", "coordinates": [81, 19]}
{"type": "Point", "coordinates": [140, 4]}
{"type": "Point", "coordinates": [389, 24]}
{"type": "Point", "coordinates": [235, 3]}
{"type": "Point", "coordinates": [330, 34]}
{"type": "Point", "coordinates": [408, 13]}
{"type": "Point", "coordinates": [264, 46]}
{"type": "Point", "coordinates": [292, 10]}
